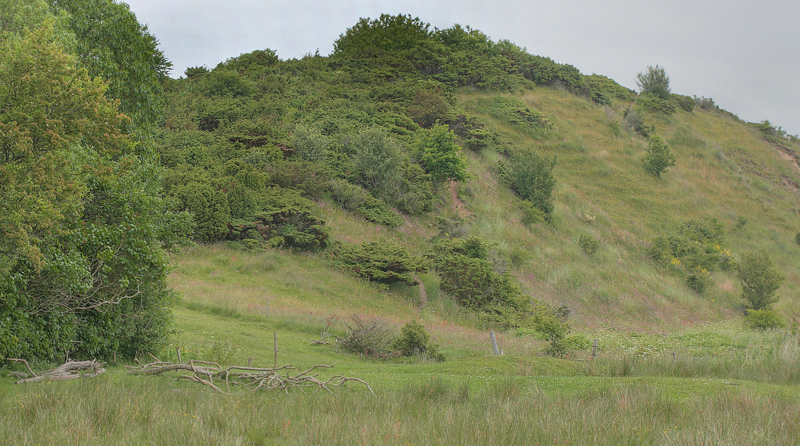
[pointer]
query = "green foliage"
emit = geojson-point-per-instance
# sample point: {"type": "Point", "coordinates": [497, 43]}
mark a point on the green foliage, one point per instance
{"type": "Point", "coordinates": [309, 143]}
{"type": "Point", "coordinates": [386, 34]}
{"type": "Point", "coordinates": [441, 156]}
{"type": "Point", "coordinates": [655, 81]}
{"type": "Point", "coordinates": [85, 231]}
{"type": "Point", "coordinates": [760, 280]}
{"type": "Point", "coordinates": [531, 177]}
{"type": "Point", "coordinates": [516, 112]}
{"type": "Point", "coordinates": [208, 207]}
{"type": "Point", "coordinates": [659, 158]}
{"type": "Point", "coordinates": [377, 160]}
{"type": "Point", "coordinates": [764, 319]}
{"type": "Point", "coordinates": [632, 120]}
{"type": "Point", "coordinates": [250, 62]}
{"type": "Point", "coordinates": [113, 45]}
{"type": "Point", "coordinates": [193, 72]}
{"type": "Point", "coordinates": [608, 88]}
{"type": "Point", "coordinates": [797, 238]}
{"type": "Point", "coordinates": [685, 103]}
{"type": "Point", "coordinates": [694, 249]}
{"type": "Point", "coordinates": [588, 244]}
{"type": "Point", "coordinates": [285, 219]}
{"type": "Point", "coordinates": [382, 261]}
{"type": "Point", "coordinates": [354, 198]}
{"type": "Point", "coordinates": [225, 82]}
{"type": "Point", "coordinates": [655, 104]}
{"type": "Point", "coordinates": [414, 341]}
{"type": "Point", "coordinates": [474, 284]}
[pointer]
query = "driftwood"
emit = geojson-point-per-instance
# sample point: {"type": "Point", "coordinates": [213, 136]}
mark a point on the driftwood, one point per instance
{"type": "Point", "coordinates": [273, 378]}
{"type": "Point", "coordinates": [69, 370]}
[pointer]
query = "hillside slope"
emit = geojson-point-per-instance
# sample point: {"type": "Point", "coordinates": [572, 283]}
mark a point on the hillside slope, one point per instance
{"type": "Point", "coordinates": [321, 153]}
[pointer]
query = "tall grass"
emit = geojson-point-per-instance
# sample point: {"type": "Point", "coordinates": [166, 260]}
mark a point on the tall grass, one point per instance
{"type": "Point", "coordinates": [121, 410]}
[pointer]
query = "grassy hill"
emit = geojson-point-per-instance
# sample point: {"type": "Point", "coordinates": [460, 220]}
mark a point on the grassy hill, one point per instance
{"type": "Point", "coordinates": [266, 155]}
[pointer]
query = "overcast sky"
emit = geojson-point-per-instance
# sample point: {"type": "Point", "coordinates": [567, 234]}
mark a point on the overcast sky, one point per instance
{"type": "Point", "coordinates": [742, 53]}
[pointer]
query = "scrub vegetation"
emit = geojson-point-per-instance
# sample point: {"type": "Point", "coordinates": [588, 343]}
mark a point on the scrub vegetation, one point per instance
{"type": "Point", "coordinates": [382, 210]}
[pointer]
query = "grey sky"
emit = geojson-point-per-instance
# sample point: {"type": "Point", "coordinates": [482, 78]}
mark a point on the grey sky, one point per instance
{"type": "Point", "coordinates": [742, 53]}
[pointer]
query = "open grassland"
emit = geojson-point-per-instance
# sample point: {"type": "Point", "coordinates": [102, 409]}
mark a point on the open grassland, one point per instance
{"type": "Point", "coordinates": [709, 384]}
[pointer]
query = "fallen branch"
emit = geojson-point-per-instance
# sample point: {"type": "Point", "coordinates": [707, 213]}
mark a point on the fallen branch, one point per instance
{"type": "Point", "coordinates": [273, 378]}
{"type": "Point", "coordinates": [67, 371]}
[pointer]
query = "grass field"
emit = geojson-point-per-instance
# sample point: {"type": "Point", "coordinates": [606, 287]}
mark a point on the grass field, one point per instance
{"type": "Point", "coordinates": [723, 385]}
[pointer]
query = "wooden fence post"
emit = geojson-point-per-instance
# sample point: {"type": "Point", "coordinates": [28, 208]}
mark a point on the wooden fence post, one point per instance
{"type": "Point", "coordinates": [494, 342]}
{"type": "Point", "coordinates": [275, 333]}
{"type": "Point", "coordinates": [594, 349]}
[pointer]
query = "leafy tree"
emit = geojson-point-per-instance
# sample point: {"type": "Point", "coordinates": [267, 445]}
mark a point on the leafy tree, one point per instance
{"type": "Point", "coordinates": [113, 45]}
{"type": "Point", "coordinates": [531, 177]}
{"type": "Point", "coordinates": [441, 156]}
{"type": "Point", "coordinates": [655, 81]}
{"type": "Point", "coordinates": [85, 233]}
{"type": "Point", "coordinates": [760, 280]}
{"type": "Point", "coordinates": [658, 158]}
{"type": "Point", "coordinates": [377, 159]}
{"type": "Point", "coordinates": [414, 340]}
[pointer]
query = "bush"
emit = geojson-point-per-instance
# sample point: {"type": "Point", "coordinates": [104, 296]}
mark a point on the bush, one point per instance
{"type": "Point", "coordinates": [371, 338]}
{"type": "Point", "coordinates": [309, 143]}
{"type": "Point", "coordinates": [655, 104]}
{"type": "Point", "coordinates": [797, 238]}
{"type": "Point", "coordinates": [655, 81]}
{"type": "Point", "coordinates": [633, 121]}
{"type": "Point", "coordinates": [381, 261]}
{"type": "Point", "coordinates": [414, 340]}
{"type": "Point", "coordinates": [658, 158]}
{"type": "Point", "coordinates": [441, 156]}
{"type": "Point", "coordinates": [760, 280]}
{"type": "Point", "coordinates": [686, 103]}
{"type": "Point", "coordinates": [763, 320]}
{"type": "Point", "coordinates": [531, 177]}
{"type": "Point", "coordinates": [699, 280]}
{"type": "Point", "coordinates": [588, 245]}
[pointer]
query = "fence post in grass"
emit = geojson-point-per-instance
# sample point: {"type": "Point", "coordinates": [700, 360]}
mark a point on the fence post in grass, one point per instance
{"type": "Point", "coordinates": [494, 342]}
{"type": "Point", "coordinates": [267, 307]}
{"type": "Point", "coordinates": [594, 349]}
{"type": "Point", "coordinates": [275, 333]}
{"type": "Point", "coordinates": [250, 362]}
{"type": "Point", "coordinates": [179, 355]}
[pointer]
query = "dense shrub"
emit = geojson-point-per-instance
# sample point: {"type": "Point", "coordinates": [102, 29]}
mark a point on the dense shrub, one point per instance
{"type": "Point", "coordinates": [415, 341]}
{"type": "Point", "coordinates": [655, 104]}
{"type": "Point", "coordinates": [686, 103]}
{"type": "Point", "coordinates": [309, 143]}
{"type": "Point", "coordinates": [531, 177]}
{"type": "Point", "coordinates": [516, 112]}
{"type": "Point", "coordinates": [658, 158]}
{"type": "Point", "coordinates": [382, 261]}
{"type": "Point", "coordinates": [760, 280]}
{"type": "Point", "coordinates": [694, 249]}
{"type": "Point", "coordinates": [441, 156]}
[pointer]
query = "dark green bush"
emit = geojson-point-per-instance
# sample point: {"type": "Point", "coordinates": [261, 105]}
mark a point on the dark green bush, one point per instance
{"type": "Point", "coordinates": [516, 112]}
{"type": "Point", "coordinates": [659, 158]}
{"type": "Point", "coordinates": [382, 261]}
{"type": "Point", "coordinates": [415, 341]}
{"type": "Point", "coordinates": [632, 120]}
{"type": "Point", "coordinates": [531, 177]}
{"type": "Point", "coordinates": [588, 244]}
{"type": "Point", "coordinates": [686, 103]}
{"type": "Point", "coordinates": [655, 104]}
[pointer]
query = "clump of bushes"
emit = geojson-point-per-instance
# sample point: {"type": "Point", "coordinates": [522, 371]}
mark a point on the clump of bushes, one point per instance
{"type": "Point", "coordinates": [383, 262]}
{"type": "Point", "coordinates": [632, 120]}
{"type": "Point", "coordinates": [375, 339]}
{"type": "Point", "coordinates": [355, 198]}
{"type": "Point", "coordinates": [694, 249]}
